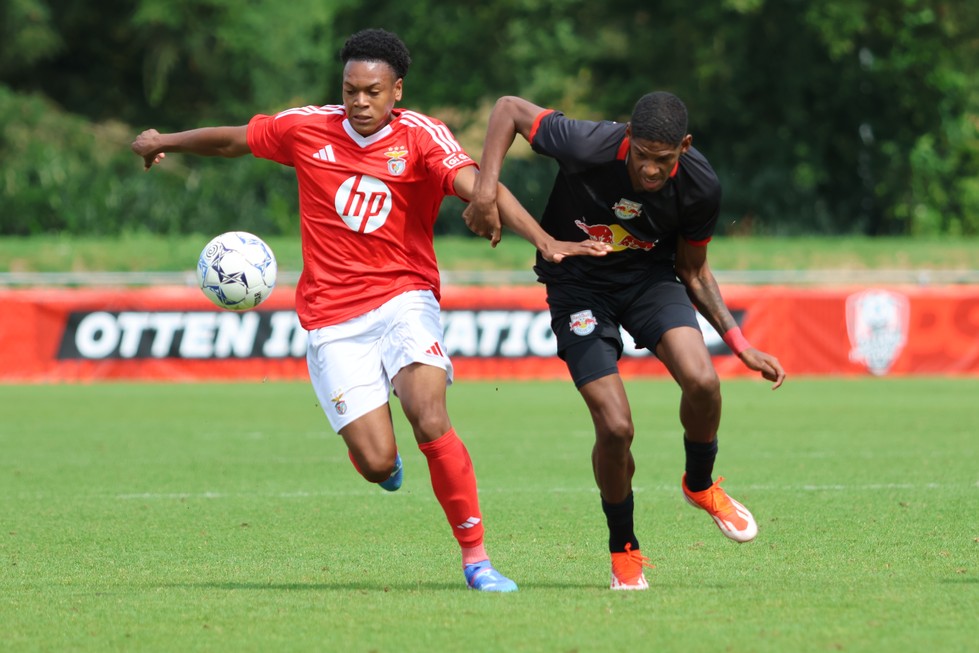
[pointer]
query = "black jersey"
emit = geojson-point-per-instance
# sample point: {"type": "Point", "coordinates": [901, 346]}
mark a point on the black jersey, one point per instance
{"type": "Point", "coordinates": [593, 198]}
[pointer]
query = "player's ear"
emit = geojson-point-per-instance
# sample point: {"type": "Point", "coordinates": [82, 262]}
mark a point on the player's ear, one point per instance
{"type": "Point", "coordinates": [686, 143]}
{"type": "Point", "coordinates": [398, 89]}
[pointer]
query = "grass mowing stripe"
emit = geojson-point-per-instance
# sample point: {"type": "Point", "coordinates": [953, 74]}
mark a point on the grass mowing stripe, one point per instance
{"type": "Point", "coordinates": [159, 517]}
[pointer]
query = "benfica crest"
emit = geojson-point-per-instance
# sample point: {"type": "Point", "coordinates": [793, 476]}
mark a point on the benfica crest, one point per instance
{"type": "Point", "coordinates": [396, 160]}
{"type": "Point", "coordinates": [339, 404]}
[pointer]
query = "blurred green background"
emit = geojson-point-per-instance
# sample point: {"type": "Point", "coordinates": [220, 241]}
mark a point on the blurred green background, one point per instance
{"type": "Point", "coordinates": [840, 117]}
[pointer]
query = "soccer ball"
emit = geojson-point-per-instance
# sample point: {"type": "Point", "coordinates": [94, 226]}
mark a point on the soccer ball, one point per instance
{"type": "Point", "coordinates": [236, 271]}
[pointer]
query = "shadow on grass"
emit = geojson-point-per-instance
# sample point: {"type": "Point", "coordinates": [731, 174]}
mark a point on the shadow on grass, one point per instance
{"type": "Point", "coordinates": [366, 587]}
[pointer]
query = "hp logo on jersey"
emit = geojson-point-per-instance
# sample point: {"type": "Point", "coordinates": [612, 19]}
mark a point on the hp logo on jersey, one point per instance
{"type": "Point", "coordinates": [363, 203]}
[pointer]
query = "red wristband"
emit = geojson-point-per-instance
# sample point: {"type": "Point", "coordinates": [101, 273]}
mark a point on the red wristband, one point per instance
{"type": "Point", "coordinates": [736, 340]}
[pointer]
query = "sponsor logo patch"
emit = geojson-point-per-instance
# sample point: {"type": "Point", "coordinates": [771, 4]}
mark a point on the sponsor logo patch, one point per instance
{"type": "Point", "coordinates": [614, 235]}
{"type": "Point", "coordinates": [363, 203]}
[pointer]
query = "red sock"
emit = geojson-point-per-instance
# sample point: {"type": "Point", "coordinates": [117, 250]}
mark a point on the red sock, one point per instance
{"type": "Point", "coordinates": [350, 455]}
{"type": "Point", "coordinates": [454, 482]}
{"type": "Point", "coordinates": [473, 555]}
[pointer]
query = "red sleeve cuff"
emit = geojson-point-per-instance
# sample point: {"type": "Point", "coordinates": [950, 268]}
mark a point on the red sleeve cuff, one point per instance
{"type": "Point", "coordinates": [698, 243]}
{"type": "Point", "coordinates": [536, 125]}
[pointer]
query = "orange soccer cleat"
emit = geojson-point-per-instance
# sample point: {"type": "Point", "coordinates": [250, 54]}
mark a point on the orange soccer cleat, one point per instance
{"type": "Point", "coordinates": [734, 520]}
{"type": "Point", "coordinates": [627, 570]}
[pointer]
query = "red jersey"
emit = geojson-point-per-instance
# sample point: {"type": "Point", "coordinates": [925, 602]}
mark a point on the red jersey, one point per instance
{"type": "Point", "coordinates": [367, 204]}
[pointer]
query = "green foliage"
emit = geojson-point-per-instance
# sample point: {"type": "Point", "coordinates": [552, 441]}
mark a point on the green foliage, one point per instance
{"type": "Point", "coordinates": [226, 60]}
{"type": "Point", "coordinates": [26, 33]}
{"type": "Point", "coordinates": [58, 172]}
{"type": "Point", "coordinates": [846, 117]}
{"type": "Point", "coordinates": [453, 47]}
{"type": "Point", "coordinates": [62, 173]}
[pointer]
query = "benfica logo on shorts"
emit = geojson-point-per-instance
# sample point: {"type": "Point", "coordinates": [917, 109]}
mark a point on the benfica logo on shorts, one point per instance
{"type": "Point", "coordinates": [339, 404]}
{"type": "Point", "coordinates": [396, 160]}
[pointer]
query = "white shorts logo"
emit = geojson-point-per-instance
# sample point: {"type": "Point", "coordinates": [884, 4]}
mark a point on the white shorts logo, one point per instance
{"type": "Point", "coordinates": [583, 323]}
{"type": "Point", "coordinates": [339, 404]}
{"type": "Point", "coordinates": [363, 203]}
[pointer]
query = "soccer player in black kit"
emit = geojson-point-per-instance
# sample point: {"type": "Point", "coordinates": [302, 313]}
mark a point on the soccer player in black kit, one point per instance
{"type": "Point", "coordinates": [642, 189]}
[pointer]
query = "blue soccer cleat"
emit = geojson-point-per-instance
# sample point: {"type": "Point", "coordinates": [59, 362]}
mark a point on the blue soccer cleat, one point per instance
{"type": "Point", "coordinates": [483, 577]}
{"type": "Point", "coordinates": [393, 481]}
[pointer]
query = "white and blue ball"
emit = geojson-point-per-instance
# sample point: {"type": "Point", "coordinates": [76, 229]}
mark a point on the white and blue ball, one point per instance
{"type": "Point", "coordinates": [237, 270]}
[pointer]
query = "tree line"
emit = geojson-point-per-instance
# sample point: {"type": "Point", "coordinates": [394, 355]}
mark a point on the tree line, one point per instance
{"type": "Point", "coordinates": [831, 117]}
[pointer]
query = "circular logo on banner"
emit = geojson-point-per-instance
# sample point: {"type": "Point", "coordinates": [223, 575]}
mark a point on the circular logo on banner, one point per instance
{"type": "Point", "coordinates": [363, 203]}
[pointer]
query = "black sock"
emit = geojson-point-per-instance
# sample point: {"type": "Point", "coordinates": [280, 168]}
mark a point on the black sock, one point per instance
{"type": "Point", "coordinates": [700, 464]}
{"type": "Point", "coordinates": [620, 527]}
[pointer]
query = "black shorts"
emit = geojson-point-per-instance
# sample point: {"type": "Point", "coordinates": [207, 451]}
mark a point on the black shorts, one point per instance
{"type": "Point", "coordinates": [587, 323]}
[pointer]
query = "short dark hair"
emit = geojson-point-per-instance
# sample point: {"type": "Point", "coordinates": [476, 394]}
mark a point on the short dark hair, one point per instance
{"type": "Point", "coordinates": [377, 45]}
{"type": "Point", "coordinates": [660, 117]}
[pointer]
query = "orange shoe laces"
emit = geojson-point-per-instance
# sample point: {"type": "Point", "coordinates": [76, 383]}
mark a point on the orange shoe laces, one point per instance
{"type": "Point", "coordinates": [628, 565]}
{"type": "Point", "coordinates": [717, 502]}
{"type": "Point", "coordinates": [713, 499]}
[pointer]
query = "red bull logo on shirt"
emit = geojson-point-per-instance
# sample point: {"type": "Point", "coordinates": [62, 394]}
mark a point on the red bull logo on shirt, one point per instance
{"type": "Point", "coordinates": [614, 235]}
{"type": "Point", "coordinates": [626, 209]}
{"type": "Point", "coordinates": [583, 323]}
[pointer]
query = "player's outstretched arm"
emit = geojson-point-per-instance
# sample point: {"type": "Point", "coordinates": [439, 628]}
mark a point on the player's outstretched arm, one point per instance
{"type": "Point", "coordinates": [510, 116]}
{"type": "Point", "coordinates": [152, 146]}
{"type": "Point", "coordinates": [517, 219]}
{"type": "Point", "coordinates": [695, 273]}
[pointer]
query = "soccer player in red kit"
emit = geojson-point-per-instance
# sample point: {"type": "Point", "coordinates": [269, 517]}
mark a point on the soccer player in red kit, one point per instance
{"type": "Point", "coordinates": [371, 180]}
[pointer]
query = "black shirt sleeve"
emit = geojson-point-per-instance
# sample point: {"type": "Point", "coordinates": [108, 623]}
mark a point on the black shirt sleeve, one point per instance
{"type": "Point", "coordinates": [577, 144]}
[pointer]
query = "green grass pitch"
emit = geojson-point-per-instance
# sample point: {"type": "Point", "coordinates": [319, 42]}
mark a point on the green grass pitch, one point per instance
{"type": "Point", "coordinates": [226, 517]}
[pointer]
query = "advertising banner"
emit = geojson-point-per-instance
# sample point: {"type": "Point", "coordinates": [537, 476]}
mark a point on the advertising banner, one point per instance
{"type": "Point", "coordinates": [174, 333]}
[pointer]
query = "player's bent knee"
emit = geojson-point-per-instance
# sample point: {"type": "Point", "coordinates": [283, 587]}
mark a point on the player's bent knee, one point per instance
{"type": "Point", "coordinates": [377, 469]}
{"type": "Point", "coordinates": [615, 432]}
{"type": "Point", "coordinates": [705, 386]}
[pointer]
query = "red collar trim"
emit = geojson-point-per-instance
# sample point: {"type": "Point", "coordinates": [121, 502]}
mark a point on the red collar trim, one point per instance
{"type": "Point", "coordinates": [536, 125]}
{"type": "Point", "coordinates": [623, 149]}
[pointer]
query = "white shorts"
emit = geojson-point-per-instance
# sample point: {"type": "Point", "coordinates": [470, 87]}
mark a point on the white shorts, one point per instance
{"type": "Point", "coordinates": [351, 364]}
